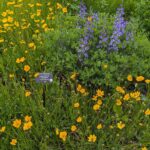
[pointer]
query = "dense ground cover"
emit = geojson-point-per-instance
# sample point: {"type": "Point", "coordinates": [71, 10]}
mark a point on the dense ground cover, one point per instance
{"type": "Point", "coordinates": [99, 59]}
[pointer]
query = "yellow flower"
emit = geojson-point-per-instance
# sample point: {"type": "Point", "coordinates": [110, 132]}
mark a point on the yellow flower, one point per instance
{"type": "Point", "coordinates": [4, 14]}
{"type": "Point", "coordinates": [10, 19]}
{"type": "Point", "coordinates": [94, 97]}
{"type": "Point", "coordinates": [16, 123]}
{"type": "Point", "coordinates": [139, 78]}
{"type": "Point", "coordinates": [118, 102]}
{"type": "Point", "coordinates": [32, 45]}
{"type": "Point", "coordinates": [79, 87]}
{"type": "Point", "coordinates": [135, 95]}
{"type": "Point", "coordinates": [57, 131]}
{"type": "Point", "coordinates": [26, 68]}
{"type": "Point", "coordinates": [73, 128]}
{"type": "Point", "coordinates": [82, 91]}
{"type": "Point", "coordinates": [64, 10]}
{"type": "Point", "coordinates": [27, 118]}
{"type": "Point", "coordinates": [63, 135]}
{"type": "Point", "coordinates": [1, 40]}
{"type": "Point", "coordinates": [89, 18]}
{"type": "Point", "coordinates": [92, 138]}
{"type": "Point", "coordinates": [11, 75]}
{"type": "Point", "coordinates": [27, 93]}
{"type": "Point", "coordinates": [36, 75]}
{"type": "Point", "coordinates": [120, 90]}
{"type": "Point", "coordinates": [38, 4]}
{"type": "Point", "coordinates": [43, 63]}
{"type": "Point", "coordinates": [99, 102]}
{"type": "Point", "coordinates": [73, 76]}
{"type": "Point", "coordinates": [147, 81]}
{"type": "Point", "coordinates": [96, 107]}
{"type": "Point", "coordinates": [10, 3]}
{"type": "Point", "coordinates": [13, 142]}
{"type": "Point", "coordinates": [79, 119]}
{"type": "Point", "coordinates": [120, 125]}
{"type": "Point", "coordinates": [100, 93]}
{"type": "Point", "coordinates": [111, 126]}
{"type": "Point", "coordinates": [147, 112]}
{"type": "Point", "coordinates": [126, 97]}
{"type": "Point", "coordinates": [129, 78]}
{"type": "Point", "coordinates": [18, 60]}
{"type": "Point", "coordinates": [144, 148]}
{"type": "Point", "coordinates": [2, 129]}
{"type": "Point", "coordinates": [27, 125]}
{"type": "Point", "coordinates": [76, 105]}
{"type": "Point", "coordinates": [59, 5]}
{"type": "Point", "coordinates": [22, 59]}
{"type": "Point", "coordinates": [99, 126]}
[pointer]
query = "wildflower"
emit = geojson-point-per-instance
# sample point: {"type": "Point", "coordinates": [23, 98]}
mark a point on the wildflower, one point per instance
{"type": "Point", "coordinates": [73, 128]}
{"type": "Point", "coordinates": [13, 142]}
{"type": "Point", "coordinates": [57, 131]}
{"type": "Point", "coordinates": [94, 97]}
{"type": "Point", "coordinates": [64, 10]}
{"type": "Point", "coordinates": [73, 76]}
{"type": "Point", "coordinates": [147, 81]}
{"type": "Point", "coordinates": [144, 148]}
{"type": "Point", "coordinates": [126, 97]}
{"type": "Point", "coordinates": [147, 112]}
{"type": "Point", "coordinates": [119, 30]}
{"type": "Point", "coordinates": [96, 107]}
{"type": "Point", "coordinates": [120, 125]}
{"type": "Point", "coordinates": [118, 102]}
{"type": "Point", "coordinates": [17, 60]}
{"type": "Point", "coordinates": [27, 125]}
{"type": "Point", "coordinates": [129, 78]}
{"type": "Point", "coordinates": [22, 59]}
{"type": "Point", "coordinates": [89, 18]}
{"type": "Point", "coordinates": [2, 129]}
{"type": "Point", "coordinates": [27, 93]}
{"type": "Point", "coordinates": [1, 40]}
{"type": "Point", "coordinates": [76, 105]}
{"type": "Point", "coordinates": [99, 102]}
{"type": "Point", "coordinates": [79, 119]}
{"type": "Point", "coordinates": [83, 10]}
{"type": "Point", "coordinates": [120, 90]}
{"type": "Point", "coordinates": [32, 45]}
{"type": "Point", "coordinates": [11, 75]}
{"type": "Point", "coordinates": [58, 6]}
{"type": "Point", "coordinates": [26, 68]}
{"type": "Point", "coordinates": [139, 78]}
{"type": "Point", "coordinates": [36, 75]}
{"type": "Point", "coordinates": [111, 126]}
{"type": "Point", "coordinates": [82, 91]}
{"type": "Point", "coordinates": [135, 95]}
{"type": "Point", "coordinates": [100, 93]}
{"type": "Point", "coordinates": [27, 118]}
{"type": "Point", "coordinates": [102, 43]}
{"type": "Point", "coordinates": [38, 4]}
{"type": "Point", "coordinates": [16, 123]}
{"type": "Point", "coordinates": [92, 138]}
{"type": "Point", "coordinates": [43, 63]}
{"type": "Point", "coordinates": [63, 135]}
{"type": "Point", "coordinates": [99, 126]}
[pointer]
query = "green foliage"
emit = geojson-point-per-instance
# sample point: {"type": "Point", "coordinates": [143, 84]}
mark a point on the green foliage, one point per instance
{"type": "Point", "coordinates": [142, 13]}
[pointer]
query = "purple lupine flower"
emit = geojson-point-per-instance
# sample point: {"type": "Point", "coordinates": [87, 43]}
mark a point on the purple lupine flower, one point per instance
{"type": "Point", "coordinates": [88, 35]}
{"type": "Point", "coordinates": [119, 30]}
{"type": "Point", "coordinates": [83, 9]}
{"type": "Point", "coordinates": [129, 36]}
{"type": "Point", "coordinates": [103, 38]}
